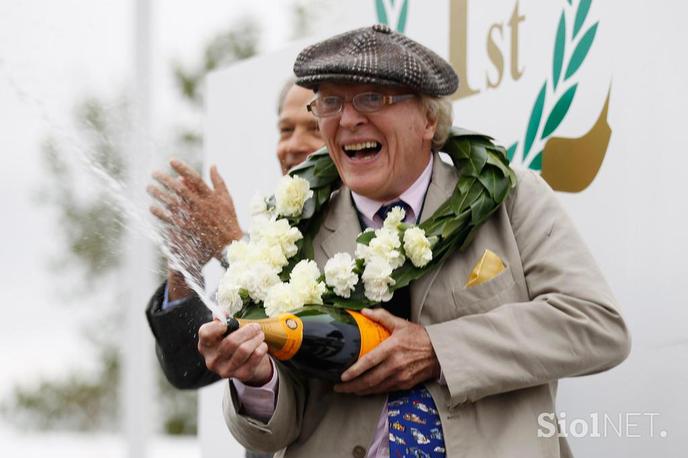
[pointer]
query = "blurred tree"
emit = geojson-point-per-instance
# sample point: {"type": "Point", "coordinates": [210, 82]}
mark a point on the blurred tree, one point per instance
{"type": "Point", "coordinates": [90, 222]}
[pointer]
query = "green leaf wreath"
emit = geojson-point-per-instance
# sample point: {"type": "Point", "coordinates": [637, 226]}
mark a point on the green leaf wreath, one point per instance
{"type": "Point", "coordinates": [485, 180]}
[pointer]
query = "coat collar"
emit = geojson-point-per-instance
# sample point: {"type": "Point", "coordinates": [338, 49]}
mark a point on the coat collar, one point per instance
{"type": "Point", "coordinates": [341, 225]}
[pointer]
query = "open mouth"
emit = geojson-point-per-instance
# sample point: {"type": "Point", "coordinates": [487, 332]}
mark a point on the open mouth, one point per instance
{"type": "Point", "coordinates": [363, 150]}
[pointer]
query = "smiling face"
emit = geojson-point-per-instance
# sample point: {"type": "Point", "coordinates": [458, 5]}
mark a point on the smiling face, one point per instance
{"type": "Point", "coordinates": [299, 135]}
{"type": "Point", "coordinates": [378, 155]}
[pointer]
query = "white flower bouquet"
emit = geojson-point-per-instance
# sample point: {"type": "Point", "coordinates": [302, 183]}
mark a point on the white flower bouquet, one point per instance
{"type": "Point", "coordinates": [274, 272]}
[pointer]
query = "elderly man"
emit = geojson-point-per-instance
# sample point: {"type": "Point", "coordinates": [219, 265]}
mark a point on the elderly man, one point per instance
{"type": "Point", "coordinates": [201, 221]}
{"type": "Point", "coordinates": [468, 368]}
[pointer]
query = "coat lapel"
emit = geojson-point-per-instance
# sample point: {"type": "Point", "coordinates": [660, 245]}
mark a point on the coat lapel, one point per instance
{"type": "Point", "coordinates": [340, 228]}
{"type": "Point", "coordinates": [441, 187]}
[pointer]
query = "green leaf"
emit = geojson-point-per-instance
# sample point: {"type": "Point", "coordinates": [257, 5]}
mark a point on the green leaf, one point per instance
{"type": "Point", "coordinates": [475, 162]}
{"type": "Point", "coordinates": [365, 237]}
{"type": "Point", "coordinates": [581, 51]}
{"type": "Point", "coordinates": [492, 180]}
{"type": "Point", "coordinates": [536, 163]}
{"type": "Point", "coordinates": [559, 48]}
{"type": "Point", "coordinates": [534, 121]}
{"type": "Point", "coordinates": [401, 24]}
{"type": "Point", "coordinates": [381, 12]}
{"type": "Point", "coordinates": [252, 311]}
{"type": "Point", "coordinates": [581, 15]}
{"type": "Point", "coordinates": [460, 202]}
{"type": "Point", "coordinates": [511, 151]}
{"type": "Point", "coordinates": [322, 195]}
{"type": "Point", "coordinates": [308, 208]}
{"type": "Point", "coordinates": [559, 111]}
{"type": "Point", "coordinates": [481, 209]}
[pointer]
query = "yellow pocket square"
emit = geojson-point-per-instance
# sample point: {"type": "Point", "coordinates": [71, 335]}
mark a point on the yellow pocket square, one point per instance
{"type": "Point", "coordinates": [489, 266]}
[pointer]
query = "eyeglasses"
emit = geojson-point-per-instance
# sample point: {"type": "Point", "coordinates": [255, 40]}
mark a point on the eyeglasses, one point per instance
{"type": "Point", "coordinates": [366, 102]}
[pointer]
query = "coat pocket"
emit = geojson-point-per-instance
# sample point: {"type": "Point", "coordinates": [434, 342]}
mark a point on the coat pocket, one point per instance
{"type": "Point", "coordinates": [485, 296]}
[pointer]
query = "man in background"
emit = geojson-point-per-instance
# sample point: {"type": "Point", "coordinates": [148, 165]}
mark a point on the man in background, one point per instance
{"type": "Point", "coordinates": [200, 220]}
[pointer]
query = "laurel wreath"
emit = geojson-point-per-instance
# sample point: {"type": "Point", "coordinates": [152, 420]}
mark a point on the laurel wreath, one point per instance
{"type": "Point", "coordinates": [485, 180]}
{"type": "Point", "coordinates": [560, 87]}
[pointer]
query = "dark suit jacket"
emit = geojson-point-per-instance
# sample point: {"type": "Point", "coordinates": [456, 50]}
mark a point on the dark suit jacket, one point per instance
{"type": "Point", "coordinates": [176, 340]}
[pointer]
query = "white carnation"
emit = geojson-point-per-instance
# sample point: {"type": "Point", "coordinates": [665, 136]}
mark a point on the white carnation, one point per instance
{"type": "Point", "coordinates": [386, 245]}
{"type": "Point", "coordinates": [228, 297]}
{"type": "Point", "coordinates": [237, 251]}
{"type": "Point", "coordinates": [417, 247]}
{"type": "Point", "coordinates": [262, 252]}
{"type": "Point", "coordinates": [254, 252]}
{"type": "Point", "coordinates": [377, 280]}
{"type": "Point", "coordinates": [339, 274]}
{"type": "Point", "coordinates": [277, 232]}
{"type": "Point", "coordinates": [281, 298]}
{"type": "Point", "coordinates": [291, 194]}
{"type": "Point", "coordinates": [304, 281]}
{"type": "Point", "coordinates": [255, 278]}
{"type": "Point", "coordinates": [363, 251]}
{"type": "Point", "coordinates": [394, 217]}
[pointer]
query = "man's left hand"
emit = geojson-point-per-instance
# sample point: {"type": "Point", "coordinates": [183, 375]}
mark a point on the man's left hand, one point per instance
{"type": "Point", "coordinates": [402, 361]}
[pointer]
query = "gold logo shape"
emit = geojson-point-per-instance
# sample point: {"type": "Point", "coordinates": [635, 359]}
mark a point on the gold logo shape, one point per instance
{"type": "Point", "coordinates": [571, 164]}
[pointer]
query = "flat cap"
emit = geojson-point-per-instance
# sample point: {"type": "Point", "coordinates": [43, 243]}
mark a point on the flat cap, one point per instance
{"type": "Point", "coordinates": [375, 55]}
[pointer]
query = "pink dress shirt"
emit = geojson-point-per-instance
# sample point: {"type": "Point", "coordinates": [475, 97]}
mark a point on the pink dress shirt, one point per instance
{"type": "Point", "coordinates": [259, 402]}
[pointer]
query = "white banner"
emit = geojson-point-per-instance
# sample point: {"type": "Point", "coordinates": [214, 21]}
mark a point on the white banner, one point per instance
{"type": "Point", "coordinates": [593, 94]}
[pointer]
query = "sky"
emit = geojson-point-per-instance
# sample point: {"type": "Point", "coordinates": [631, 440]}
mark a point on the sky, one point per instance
{"type": "Point", "coordinates": [52, 54]}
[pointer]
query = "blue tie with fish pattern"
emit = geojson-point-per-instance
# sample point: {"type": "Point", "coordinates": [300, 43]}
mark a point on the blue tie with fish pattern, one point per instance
{"type": "Point", "coordinates": [415, 429]}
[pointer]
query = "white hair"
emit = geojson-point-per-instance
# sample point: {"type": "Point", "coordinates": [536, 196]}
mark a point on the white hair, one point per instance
{"type": "Point", "coordinates": [439, 109]}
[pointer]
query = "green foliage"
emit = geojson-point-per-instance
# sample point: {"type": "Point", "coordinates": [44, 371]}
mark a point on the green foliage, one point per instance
{"type": "Point", "coordinates": [77, 402]}
{"type": "Point", "coordinates": [559, 111]}
{"type": "Point", "coordinates": [559, 49]}
{"type": "Point", "coordinates": [237, 43]}
{"type": "Point", "coordinates": [581, 51]}
{"type": "Point", "coordinates": [534, 121]}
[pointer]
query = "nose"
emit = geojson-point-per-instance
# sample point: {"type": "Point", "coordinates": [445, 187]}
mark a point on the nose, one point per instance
{"type": "Point", "coordinates": [351, 117]}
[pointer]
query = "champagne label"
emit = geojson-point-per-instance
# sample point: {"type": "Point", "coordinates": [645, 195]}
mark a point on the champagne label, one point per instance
{"type": "Point", "coordinates": [283, 334]}
{"type": "Point", "coordinates": [372, 332]}
{"type": "Point", "coordinates": [293, 328]}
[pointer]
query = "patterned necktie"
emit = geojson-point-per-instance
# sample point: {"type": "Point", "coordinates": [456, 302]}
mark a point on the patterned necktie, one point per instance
{"type": "Point", "coordinates": [415, 429]}
{"type": "Point", "coordinates": [385, 209]}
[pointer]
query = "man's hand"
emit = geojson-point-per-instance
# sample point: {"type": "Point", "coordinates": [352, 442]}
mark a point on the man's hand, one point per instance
{"type": "Point", "coordinates": [201, 220]}
{"type": "Point", "coordinates": [241, 355]}
{"type": "Point", "coordinates": [402, 361]}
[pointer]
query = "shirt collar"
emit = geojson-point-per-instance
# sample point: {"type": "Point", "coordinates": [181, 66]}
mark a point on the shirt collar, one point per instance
{"type": "Point", "coordinates": [413, 196]}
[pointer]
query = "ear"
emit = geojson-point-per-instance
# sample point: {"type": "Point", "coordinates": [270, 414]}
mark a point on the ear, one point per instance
{"type": "Point", "coordinates": [430, 126]}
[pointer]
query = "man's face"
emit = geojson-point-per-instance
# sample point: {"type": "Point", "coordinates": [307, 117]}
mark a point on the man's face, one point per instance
{"type": "Point", "coordinates": [378, 155]}
{"type": "Point", "coordinates": [299, 135]}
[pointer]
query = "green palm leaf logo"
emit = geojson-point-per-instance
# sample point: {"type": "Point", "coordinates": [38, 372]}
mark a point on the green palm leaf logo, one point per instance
{"type": "Point", "coordinates": [382, 7]}
{"type": "Point", "coordinates": [559, 87]}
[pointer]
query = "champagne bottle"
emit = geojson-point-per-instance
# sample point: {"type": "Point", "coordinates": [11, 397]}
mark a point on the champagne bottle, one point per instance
{"type": "Point", "coordinates": [318, 341]}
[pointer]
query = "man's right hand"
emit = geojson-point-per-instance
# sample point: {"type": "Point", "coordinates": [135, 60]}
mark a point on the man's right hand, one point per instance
{"type": "Point", "coordinates": [200, 220]}
{"type": "Point", "coordinates": [242, 355]}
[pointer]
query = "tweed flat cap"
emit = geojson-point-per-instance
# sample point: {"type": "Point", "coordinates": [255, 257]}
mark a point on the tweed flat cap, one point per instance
{"type": "Point", "coordinates": [375, 55]}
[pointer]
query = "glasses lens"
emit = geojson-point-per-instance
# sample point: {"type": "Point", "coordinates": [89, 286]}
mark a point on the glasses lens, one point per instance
{"type": "Point", "coordinates": [368, 101]}
{"type": "Point", "coordinates": [327, 106]}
